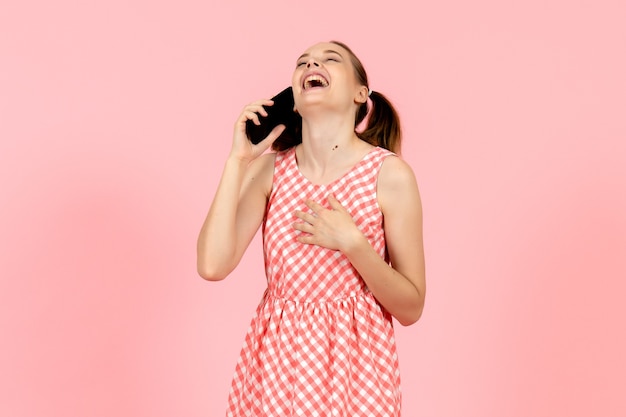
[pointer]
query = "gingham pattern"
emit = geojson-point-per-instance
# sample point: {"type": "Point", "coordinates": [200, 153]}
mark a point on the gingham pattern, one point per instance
{"type": "Point", "coordinates": [319, 343]}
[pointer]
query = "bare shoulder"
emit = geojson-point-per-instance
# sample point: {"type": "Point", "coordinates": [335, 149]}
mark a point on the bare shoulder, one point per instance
{"type": "Point", "coordinates": [395, 173]}
{"type": "Point", "coordinates": [396, 184]}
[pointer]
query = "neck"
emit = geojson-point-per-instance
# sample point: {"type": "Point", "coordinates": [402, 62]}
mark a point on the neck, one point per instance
{"type": "Point", "coordinates": [324, 141]}
{"type": "Point", "coordinates": [329, 150]}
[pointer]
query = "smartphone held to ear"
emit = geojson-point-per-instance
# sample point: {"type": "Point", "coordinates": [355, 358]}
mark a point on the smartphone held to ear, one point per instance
{"type": "Point", "coordinates": [281, 112]}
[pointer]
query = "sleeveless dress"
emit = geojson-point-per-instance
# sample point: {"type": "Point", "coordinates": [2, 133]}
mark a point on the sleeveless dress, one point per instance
{"type": "Point", "coordinates": [319, 344]}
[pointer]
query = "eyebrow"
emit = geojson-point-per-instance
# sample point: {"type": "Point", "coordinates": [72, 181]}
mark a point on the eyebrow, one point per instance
{"type": "Point", "coordinates": [327, 51]}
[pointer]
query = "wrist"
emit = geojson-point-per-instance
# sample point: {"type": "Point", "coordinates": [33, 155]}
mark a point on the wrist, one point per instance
{"type": "Point", "coordinates": [356, 245]}
{"type": "Point", "coordinates": [237, 161]}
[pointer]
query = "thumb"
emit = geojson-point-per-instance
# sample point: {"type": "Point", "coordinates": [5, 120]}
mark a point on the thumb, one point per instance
{"type": "Point", "coordinates": [273, 135]}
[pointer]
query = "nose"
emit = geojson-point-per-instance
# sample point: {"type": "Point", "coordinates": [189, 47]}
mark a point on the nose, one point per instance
{"type": "Point", "coordinates": [312, 62]}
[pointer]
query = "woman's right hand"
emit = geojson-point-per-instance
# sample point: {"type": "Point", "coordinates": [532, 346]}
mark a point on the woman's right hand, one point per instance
{"type": "Point", "coordinates": [242, 148]}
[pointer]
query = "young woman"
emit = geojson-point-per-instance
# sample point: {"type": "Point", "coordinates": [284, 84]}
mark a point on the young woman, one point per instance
{"type": "Point", "coordinates": [342, 237]}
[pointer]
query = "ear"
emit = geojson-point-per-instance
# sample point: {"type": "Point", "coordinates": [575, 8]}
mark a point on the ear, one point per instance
{"type": "Point", "coordinates": [361, 95]}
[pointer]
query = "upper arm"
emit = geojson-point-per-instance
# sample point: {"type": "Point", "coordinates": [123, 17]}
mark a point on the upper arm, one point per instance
{"type": "Point", "coordinates": [253, 198]}
{"type": "Point", "coordinates": [400, 203]}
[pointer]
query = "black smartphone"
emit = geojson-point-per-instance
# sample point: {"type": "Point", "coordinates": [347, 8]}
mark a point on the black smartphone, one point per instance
{"type": "Point", "coordinates": [280, 113]}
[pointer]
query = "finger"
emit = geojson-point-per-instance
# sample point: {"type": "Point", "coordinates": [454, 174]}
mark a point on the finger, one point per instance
{"type": "Point", "coordinates": [258, 107]}
{"type": "Point", "coordinates": [304, 227]}
{"type": "Point", "coordinates": [315, 206]}
{"type": "Point", "coordinates": [262, 102]}
{"type": "Point", "coordinates": [307, 217]}
{"type": "Point", "coordinates": [250, 115]}
{"type": "Point", "coordinates": [307, 239]}
{"type": "Point", "coordinates": [334, 203]}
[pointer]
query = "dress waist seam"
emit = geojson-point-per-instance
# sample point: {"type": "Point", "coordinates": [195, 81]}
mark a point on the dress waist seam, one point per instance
{"type": "Point", "coordinates": [328, 300]}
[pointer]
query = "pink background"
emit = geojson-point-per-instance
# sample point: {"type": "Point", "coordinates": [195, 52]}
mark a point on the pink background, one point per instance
{"type": "Point", "coordinates": [115, 120]}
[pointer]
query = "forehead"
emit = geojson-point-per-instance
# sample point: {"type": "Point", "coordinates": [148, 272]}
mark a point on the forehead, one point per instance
{"type": "Point", "coordinates": [325, 46]}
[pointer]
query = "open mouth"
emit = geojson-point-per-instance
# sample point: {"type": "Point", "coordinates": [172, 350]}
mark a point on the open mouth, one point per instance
{"type": "Point", "coordinates": [314, 81]}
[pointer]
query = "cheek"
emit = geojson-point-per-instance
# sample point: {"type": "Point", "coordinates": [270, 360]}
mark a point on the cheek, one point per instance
{"type": "Point", "coordinates": [295, 85]}
{"type": "Point", "coordinates": [295, 79]}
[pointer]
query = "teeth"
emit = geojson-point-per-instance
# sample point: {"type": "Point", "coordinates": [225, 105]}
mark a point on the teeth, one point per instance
{"type": "Point", "coordinates": [315, 80]}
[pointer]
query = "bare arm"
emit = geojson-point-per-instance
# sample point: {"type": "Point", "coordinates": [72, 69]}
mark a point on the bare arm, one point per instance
{"type": "Point", "coordinates": [239, 203]}
{"type": "Point", "coordinates": [401, 287]}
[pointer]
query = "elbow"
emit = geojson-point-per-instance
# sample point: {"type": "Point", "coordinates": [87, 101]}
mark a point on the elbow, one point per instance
{"type": "Point", "coordinates": [412, 317]}
{"type": "Point", "coordinates": [215, 267]}
{"type": "Point", "coordinates": [408, 321]}
{"type": "Point", "coordinates": [208, 273]}
{"type": "Point", "coordinates": [413, 311]}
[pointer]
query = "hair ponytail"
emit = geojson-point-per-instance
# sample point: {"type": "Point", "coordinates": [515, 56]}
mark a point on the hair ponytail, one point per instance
{"type": "Point", "coordinates": [382, 124]}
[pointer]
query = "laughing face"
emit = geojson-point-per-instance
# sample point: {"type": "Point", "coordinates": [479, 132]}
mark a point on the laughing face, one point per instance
{"type": "Point", "coordinates": [324, 76]}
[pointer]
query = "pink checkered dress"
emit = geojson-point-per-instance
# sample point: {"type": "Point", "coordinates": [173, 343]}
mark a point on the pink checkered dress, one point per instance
{"type": "Point", "coordinates": [319, 343]}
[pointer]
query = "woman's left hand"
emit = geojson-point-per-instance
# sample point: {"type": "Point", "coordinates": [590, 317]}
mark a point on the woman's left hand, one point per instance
{"type": "Point", "coordinates": [331, 228]}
